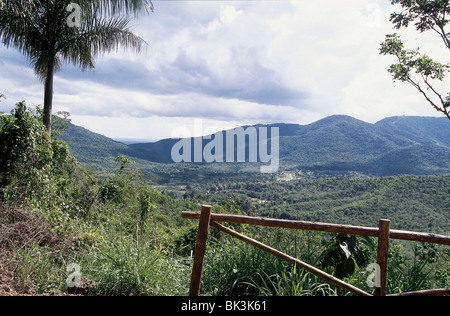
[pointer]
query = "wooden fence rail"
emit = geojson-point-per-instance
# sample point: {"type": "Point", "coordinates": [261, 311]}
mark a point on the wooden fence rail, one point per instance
{"type": "Point", "coordinates": [324, 227]}
{"type": "Point", "coordinates": [383, 233]}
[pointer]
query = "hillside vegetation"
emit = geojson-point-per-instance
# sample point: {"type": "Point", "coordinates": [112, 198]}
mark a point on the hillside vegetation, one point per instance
{"type": "Point", "coordinates": [121, 233]}
{"type": "Point", "coordinates": [393, 146]}
{"type": "Point", "coordinates": [420, 203]}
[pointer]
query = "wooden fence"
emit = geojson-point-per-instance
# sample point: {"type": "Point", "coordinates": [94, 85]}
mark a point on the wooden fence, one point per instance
{"type": "Point", "coordinates": [383, 233]}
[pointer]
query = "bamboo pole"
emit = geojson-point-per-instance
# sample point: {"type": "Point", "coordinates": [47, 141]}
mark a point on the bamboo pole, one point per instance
{"type": "Point", "coordinates": [279, 254]}
{"type": "Point", "coordinates": [382, 257]}
{"type": "Point", "coordinates": [200, 248]}
{"type": "Point", "coordinates": [325, 227]}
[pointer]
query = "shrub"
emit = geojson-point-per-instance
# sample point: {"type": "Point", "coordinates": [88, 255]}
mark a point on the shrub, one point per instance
{"type": "Point", "coordinates": [34, 169]}
{"type": "Point", "coordinates": [25, 148]}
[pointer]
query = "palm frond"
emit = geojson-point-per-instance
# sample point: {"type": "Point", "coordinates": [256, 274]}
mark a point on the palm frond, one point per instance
{"type": "Point", "coordinates": [41, 30]}
{"type": "Point", "coordinates": [117, 7]}
{"type": "Point", "coordinates": [33, 27]}
{"type": "Point", "coordinates": [19, 26]}
{"type": "Point", "coordinates": [38, 29]}
{"type": "Point", "coordinates": [99, 36]}
{"type": "Point", "coordinates": [109, 35]}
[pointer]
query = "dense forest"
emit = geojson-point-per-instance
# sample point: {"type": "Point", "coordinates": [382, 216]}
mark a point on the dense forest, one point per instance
{"type": "Point", "coordinates": [410, 202]}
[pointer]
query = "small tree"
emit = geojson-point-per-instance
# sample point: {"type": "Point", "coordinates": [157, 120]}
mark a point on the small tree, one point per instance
{"type": "Point", "coordinates": [420, 70]}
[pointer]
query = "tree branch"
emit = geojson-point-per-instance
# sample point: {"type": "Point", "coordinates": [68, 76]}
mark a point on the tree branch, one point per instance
{"type": "Point", "coordinates": [419, 88]}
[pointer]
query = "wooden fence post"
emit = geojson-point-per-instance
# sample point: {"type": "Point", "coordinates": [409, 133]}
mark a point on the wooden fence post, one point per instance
{"type": "Point", "coordinates": [382, 257]}
{"type": "Point", "coordinates": [199, 254]}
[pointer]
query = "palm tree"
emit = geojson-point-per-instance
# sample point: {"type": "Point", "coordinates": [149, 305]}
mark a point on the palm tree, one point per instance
{"type": "Point", "coordinates": [52, 32]}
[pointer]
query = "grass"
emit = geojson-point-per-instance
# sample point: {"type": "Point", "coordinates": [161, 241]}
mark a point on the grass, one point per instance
{"type": "Point", "coordinates": [35, 270]}
{"type": "Point", "coordinates": [122, 267]}
{"type": "Point", "coordinates": [235, 268]}
{"type": "Point", "coordinates": [290, 281]}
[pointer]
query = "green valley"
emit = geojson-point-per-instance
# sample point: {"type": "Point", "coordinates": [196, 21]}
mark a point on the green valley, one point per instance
{"type": "Point", "coordinates": [113, 211]}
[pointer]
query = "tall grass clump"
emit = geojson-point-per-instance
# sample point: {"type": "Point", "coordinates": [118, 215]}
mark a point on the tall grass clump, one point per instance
{"type": "Point", "coordinates": [288, 280]}
{"type": "Point", "coordinates": [35, 270]}
{"type": "Point", "coordinates": [122, 267]}
{"type": "Point", "coordinates": [230, 265]}
{"type": "Point", "coordinates": [236, 268]}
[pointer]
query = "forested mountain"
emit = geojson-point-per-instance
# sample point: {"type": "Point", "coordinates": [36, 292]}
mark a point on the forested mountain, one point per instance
{"type": "Point", "coordinates": [395, 145]}
{"type": "Point", "coordinates": [93, 149]}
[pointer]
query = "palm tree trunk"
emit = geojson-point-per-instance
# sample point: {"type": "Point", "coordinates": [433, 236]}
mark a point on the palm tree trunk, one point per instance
{"type": "Point", "coordinates": [48, 95]}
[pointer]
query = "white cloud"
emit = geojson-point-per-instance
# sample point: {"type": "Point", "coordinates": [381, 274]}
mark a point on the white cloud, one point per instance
{"type": "Point", "coordinates": [232, 63]}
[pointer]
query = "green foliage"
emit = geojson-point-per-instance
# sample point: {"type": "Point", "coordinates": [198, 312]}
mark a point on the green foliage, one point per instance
{"type": "Point", "coordinates": [95, 151]}
{"type": "Point", "coordinates": [60, 123]}
{"type": "Point", "coordinates": [34, 169]}
{"type": "Point", "coordinates": [120, 226]}
{"type": "Point", "coordinates": [291, 281]}
{"type": "Point", "coordinates": [409, 60]}
{"type": "Point", "coordinates": [121, 267]}
{"type": "Point", "coordinates": [419, 203]}
{"type": "Point", "coordinates": [129, 238]}
{"type": "Point", "coordinates": [427, 15]}
{"type": "Point", "coordinates": [345, 254]}
{"type": "Point", "coordinates": [232, 267]}
{"type": "Point", "coordinates": [23, 143]}
{"type": "Point", "coordinates": [36, 269]}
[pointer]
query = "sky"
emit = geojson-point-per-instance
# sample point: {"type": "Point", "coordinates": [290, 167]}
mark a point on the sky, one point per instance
{"type": "Point", "coordinates": [214, 65]}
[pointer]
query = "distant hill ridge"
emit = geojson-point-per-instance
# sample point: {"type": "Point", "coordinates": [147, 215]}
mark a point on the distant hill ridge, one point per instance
{"type": "Point", "coordinates": [394, 145]}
